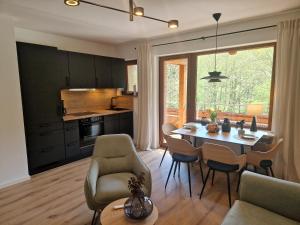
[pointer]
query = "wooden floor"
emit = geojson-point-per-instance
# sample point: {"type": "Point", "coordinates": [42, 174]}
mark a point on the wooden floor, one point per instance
{"type": "Point", "coordinates": [56, 196]}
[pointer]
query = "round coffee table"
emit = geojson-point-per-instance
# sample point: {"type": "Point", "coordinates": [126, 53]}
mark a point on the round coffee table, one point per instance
{"type": "Point", "coordinates": [111, 216]}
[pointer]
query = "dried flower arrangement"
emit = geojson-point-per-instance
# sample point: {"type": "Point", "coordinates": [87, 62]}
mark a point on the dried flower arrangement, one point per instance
{"type": "Point", "coordinates": [135, 185]}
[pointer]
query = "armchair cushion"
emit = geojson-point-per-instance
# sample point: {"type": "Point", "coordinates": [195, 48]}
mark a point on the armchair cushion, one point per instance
{"type": "Point", "coordinates": [112, 186]}
{"type": "Point", "coordinates": [243, 213]}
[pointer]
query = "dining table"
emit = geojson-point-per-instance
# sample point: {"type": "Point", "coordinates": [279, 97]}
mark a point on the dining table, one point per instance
{"type": "Point", "coordinates": [200, 131]}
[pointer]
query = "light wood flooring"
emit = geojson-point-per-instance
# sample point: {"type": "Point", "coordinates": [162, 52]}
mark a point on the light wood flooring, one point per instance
{"type": "Point", "coordinates": [56, 197]}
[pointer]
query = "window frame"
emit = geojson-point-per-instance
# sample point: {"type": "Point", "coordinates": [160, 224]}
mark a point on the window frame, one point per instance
{"type": "Point", "coordinates": [241, 48]}
{"type": "Point", "coordinates": [192, 80]}
{"type": "Point", "coordinates": [129, 63]}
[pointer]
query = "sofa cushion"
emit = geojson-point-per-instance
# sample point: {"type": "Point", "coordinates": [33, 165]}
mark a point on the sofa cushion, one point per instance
{"type": "Point", "coordinates": [112, 187]}
{"type": "Point", "coordinates": [243, 213]}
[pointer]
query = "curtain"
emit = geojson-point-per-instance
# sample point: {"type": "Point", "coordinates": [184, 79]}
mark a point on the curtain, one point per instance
{"type": "Point", "coordinates": [286, 111]}
{"type": "Point", "coordinates": [147, 105]}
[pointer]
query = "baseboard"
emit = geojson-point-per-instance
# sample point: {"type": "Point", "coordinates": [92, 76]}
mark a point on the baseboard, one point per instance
{"type": "Point", "coordinates": [15, 181]}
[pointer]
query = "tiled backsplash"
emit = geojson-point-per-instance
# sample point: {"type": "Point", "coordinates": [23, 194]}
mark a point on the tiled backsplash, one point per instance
{"type": "Point", "coordinates": [78, 101]}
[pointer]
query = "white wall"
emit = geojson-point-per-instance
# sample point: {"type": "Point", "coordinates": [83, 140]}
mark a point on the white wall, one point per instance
{"type": "Point", "coordinates": [13, 160]}
{"type": "Point", "coordinates": [65, 43]}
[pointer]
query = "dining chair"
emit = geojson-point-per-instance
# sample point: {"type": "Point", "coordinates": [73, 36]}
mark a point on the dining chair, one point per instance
{"type": "Point", "coordinates": [222, 159]}
{"type": "Point", "coordinates": [167, 129]}
{"type": "Point", "coordinates": [183, 152]}
{"type": "Point", "coordinates": [264, 159]}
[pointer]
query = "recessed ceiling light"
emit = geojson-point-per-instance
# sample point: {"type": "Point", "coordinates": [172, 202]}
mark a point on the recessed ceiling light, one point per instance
{"type": "Point", "coordinates": [138, 11]}
{"type": "Point", "coordinates": [173, 24]}
{"type": "Point", "coordinates": [72, 2]}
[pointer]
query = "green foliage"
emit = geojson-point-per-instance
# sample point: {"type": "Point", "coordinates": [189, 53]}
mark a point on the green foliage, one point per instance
{"type": "Point", "coordinates": [172, 90]}
{"type": "Point", "coordinates": [250, 74]}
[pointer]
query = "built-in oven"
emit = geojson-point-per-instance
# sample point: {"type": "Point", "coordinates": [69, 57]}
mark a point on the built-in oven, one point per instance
{"type": "Point", "coordinates": [89, 129]}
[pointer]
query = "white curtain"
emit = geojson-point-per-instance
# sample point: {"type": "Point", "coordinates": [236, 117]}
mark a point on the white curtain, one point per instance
{"type": "Point", "coordinates": [286, 112]}
{"type": "Point", "coordinates": [147, 117]}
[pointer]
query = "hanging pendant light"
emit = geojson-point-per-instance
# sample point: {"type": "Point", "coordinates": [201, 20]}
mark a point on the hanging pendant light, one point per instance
{"type": "Point", "coordinates": [215, 76]}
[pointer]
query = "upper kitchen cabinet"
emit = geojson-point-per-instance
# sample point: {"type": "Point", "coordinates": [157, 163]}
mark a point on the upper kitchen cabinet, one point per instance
{"type": "Point", "coordinates": [81, 70]}
{"type": "Point", "coordinates": [110, 72]}
{"type": "Point", "coordinates": [38, 68]}
{"type": "Point", "coordinates": [103, 72]}
{"type": "Point", "coordinates": [63, 66]}
{"type": "Point", "coordinates": [118, 73]}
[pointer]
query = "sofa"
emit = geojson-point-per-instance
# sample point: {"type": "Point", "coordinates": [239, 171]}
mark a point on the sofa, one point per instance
{"type": "Point", "coordinates": [265, 201]}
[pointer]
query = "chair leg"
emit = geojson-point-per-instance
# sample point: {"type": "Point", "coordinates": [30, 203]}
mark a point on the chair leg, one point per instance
{"type": "Point", "coordinates": [94, 218]}
{"type": "Point", "coordinates": [201, 171]}
{"type": "Point", "coordinates": [206, 178]}
{"type": "Point", "coordinates": [169, 173]}
{"type": "Point", "coordinates": [228, 186]}
{"type": "Point", "coordinates": [176, 164]}
{"type": "Point", "coordinates": [189, 173]}
{"type": "Point", "coordinates": [255, 169]}
{"type": "Point", "coordinates": [239, 179]}
{"type": "Point", "coordinates": [213, 177]}
{"type": "Point", "coordinates": [272, 173]}
{"type": "Point", "coordinates": [162, 159]}
{"type": "Point", "coordinates": [267, 171]}
{"type": "Point", "coordinates": [178, 169]}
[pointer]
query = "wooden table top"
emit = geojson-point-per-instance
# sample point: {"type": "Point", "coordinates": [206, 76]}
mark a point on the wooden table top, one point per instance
{"type": "Point", "coordinates": [229, 137]}
{"type": "Point", "coordinates": [110, 216]}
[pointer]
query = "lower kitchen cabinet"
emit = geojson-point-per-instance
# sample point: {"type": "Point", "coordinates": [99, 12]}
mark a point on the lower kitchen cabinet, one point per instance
{"type": "Point", "coordinates": [121, 123]}
{"type": "Point", "coordinates": [72, 139]}
{"type": "Point", "coordinates": [45, 145]}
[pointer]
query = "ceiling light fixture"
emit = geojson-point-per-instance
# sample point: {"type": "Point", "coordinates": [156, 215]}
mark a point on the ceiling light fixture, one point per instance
{"type": "Point", "coordinates": [133, 11]}
{"type": "Point", "coordinates": [72, 2]}
{"type": "Point", "coordinates": [173, 24]}
{"type": "Point", "coordinates": [138, 11]}
{"type": "Point", "coordinates": [215, 76]}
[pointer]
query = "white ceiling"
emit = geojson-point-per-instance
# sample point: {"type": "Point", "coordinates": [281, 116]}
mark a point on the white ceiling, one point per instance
{"type": "Point", "coordinates": [102, 25]}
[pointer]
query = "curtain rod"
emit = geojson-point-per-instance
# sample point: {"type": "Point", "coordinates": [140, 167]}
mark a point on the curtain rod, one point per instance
{"type": "Point", "coordinates": [213, 36]}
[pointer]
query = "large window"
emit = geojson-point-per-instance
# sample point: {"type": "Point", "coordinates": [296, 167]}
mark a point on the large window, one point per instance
{"type": "Point", "coordinates": [245, 93]}
{"type": "Point", "coordinates": [132, 76]}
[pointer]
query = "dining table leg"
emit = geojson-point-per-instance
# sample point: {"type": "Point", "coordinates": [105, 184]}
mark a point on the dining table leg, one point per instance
{"type": "Point", "coordinates": [242, 149]}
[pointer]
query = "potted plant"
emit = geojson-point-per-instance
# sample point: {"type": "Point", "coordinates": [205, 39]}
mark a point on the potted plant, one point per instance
{"type": "Point", "coordinates": [138, 206]}
{"type": "Point", "coordinates": [212, 127]}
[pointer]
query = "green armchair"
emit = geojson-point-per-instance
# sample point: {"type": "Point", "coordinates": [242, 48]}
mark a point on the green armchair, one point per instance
{"type": "Point", "coordinates": [113, 162]}
{"type": "Point", "coordinates": [264, 201]}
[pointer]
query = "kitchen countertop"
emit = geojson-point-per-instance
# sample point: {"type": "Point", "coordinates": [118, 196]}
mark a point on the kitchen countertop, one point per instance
{"type": "Point", "coordinates": [103, 112]}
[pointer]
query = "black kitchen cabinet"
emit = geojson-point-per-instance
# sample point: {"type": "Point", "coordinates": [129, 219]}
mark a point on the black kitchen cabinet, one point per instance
{"type": "Point", "coordinates": [121, 123]}
{"type": "Point", "coordinates": [41, 83]}
{"type": "Point", "coordinates": [112, 124]}
{"type": "Point", "coordinates": [118, 73]}
{"type": "Point", "coordinates": [103, 72]}
{"type": "Point", "coordinates": [72, 139]}
{"type": "Point", "coordinates": [126, 123]}
{"type": "Point", "coordinates": [63, 66]}
{"type": "Point", "coordinates": [81, 70]}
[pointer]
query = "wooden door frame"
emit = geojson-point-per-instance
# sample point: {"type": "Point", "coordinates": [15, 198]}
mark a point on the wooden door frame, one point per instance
{"type": "Point", "coordinates": [161, 88]}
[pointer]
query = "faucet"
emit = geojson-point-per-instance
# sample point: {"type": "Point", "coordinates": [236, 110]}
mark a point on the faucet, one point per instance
{"type": "Point", "coordinates": [112, 102]}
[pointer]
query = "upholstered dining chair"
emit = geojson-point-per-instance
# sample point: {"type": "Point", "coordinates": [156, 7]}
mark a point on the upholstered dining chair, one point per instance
{"type": "Point", "coordinates": [167, 129]}
{"type": "Point", "coordinates": [264, 159]}
{"type": "Point", "coordinates": [113, 162]}
{"type": "Point", "coordinates": [223, 159]}
{"type": "Point", "coordinates": [183, 152]}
